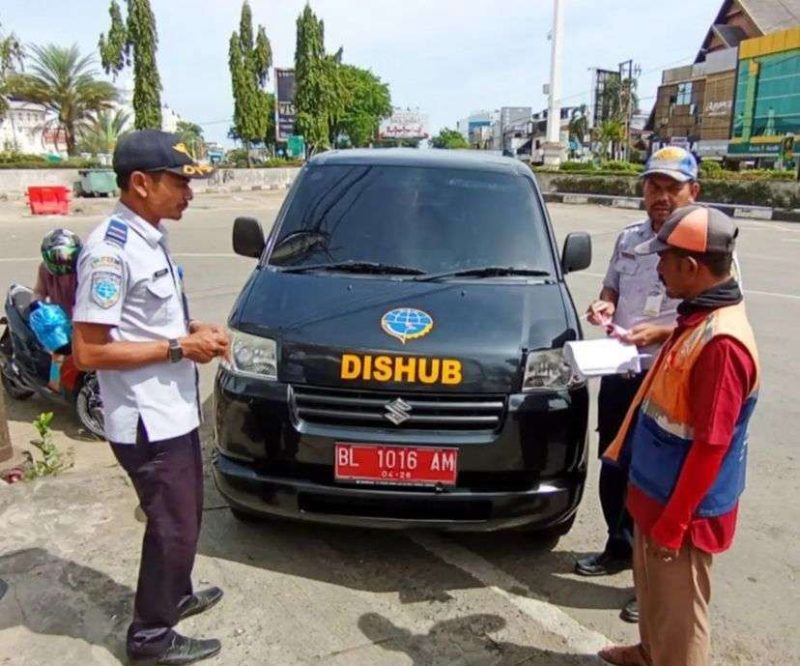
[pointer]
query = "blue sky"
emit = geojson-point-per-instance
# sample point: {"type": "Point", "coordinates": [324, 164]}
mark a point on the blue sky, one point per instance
{"type": "Point", "coordinates": [448, 58]}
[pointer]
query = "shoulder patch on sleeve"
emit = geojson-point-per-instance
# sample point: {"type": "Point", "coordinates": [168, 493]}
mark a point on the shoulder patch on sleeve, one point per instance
{"type": "Point", "coordinates": [116, 233]}
{"type": "Point", "coordinates": [107, 262]}
{"type": "Point", "coordinates": [106, 288]}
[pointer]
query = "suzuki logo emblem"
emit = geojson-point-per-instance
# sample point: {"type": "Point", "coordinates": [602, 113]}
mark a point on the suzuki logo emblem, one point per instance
{"type": "Point", "coordinates": [397, 411]}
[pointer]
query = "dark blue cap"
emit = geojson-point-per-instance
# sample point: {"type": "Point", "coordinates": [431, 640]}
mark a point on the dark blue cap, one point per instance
{"type": "Point", "coordinates": [154, 150]}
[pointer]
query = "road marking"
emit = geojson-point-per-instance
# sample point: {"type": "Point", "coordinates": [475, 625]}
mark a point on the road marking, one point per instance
{"type": "Point", "coordinates": [747, 291]}
{"type": "Point", "coordinates": [551, 618]}
{"type": "Point", "coordinates": [770, 226]}
{"type": "Point", "coordinates": [771, 294]}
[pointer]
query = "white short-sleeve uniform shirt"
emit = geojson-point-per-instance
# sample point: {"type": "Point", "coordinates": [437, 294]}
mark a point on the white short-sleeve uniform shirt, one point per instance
{"type": "Point", "coordinates": [128, 281]}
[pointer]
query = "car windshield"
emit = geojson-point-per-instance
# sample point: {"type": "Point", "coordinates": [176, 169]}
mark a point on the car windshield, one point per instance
{"type": "Point", "coordinates": [418, 220]}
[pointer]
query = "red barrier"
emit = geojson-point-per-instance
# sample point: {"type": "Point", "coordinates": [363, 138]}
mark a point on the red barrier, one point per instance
{"type": "Point", "coordinates": [48, 199]}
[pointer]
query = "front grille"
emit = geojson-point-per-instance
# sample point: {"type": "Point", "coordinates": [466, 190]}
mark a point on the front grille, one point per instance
{"type": "Point", "coordinates": [420, 411]}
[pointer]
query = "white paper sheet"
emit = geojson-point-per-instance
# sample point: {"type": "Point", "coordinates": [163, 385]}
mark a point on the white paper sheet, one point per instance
{"type": "Point", "coordinates": [607, 356]}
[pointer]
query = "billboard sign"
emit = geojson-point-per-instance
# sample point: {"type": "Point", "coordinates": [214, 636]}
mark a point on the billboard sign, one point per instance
{"type": "Point", "coordinates": [285, 113]}
{"type": "Point", "coordinates": [600, 101]}
{"type": "Point", "coordinates": [404, 124]}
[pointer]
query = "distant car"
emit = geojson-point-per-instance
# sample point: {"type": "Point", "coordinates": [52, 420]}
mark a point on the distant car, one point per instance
{"type": "Point", "coordinates": [397, 351]}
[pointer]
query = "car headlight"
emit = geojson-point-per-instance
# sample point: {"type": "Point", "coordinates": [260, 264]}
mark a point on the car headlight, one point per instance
{"type": "Point", "coordinates": [252, 356]}
{"type": "Point", "coordinates": [548, 371]}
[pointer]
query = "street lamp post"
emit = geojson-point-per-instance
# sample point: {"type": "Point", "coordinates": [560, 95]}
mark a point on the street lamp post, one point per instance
{"type": "Point", "coordinates": [552, 148]}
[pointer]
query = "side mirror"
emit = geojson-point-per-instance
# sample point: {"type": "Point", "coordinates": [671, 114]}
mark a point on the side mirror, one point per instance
{"type": "Point", "coordinates": [248, 237]}
{"type": "Point", "coordinates": [577, 253]}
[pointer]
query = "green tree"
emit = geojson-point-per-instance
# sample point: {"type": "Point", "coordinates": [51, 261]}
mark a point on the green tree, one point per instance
{"type": "Point", "coordinates": [579, 124]}
{"type": "Point", "coordinates": [249, 62]}
{"type": "Point", "coordinates": [66, 83]}
{"type": "Point", "coordinates": [610, 134]}
{"type": "Point", "coordinates": [315, 98]}
{"type": "Point", "coordinates": [99, 135]}
{"type": "Point", "coordinates": [578, 127]}
{"type": "Point", "coordinates": [11, 56]}
{"type": "Point", "coordinates": [449, 139]}
{"type": "Point", "coordinates": [135, 42]}
{"type": "Point", "coordinates": [366, 102]}
{"type": "Point", "coordinates": [191, 135]}
{"type": "Point", "coordinates": [619, 96]}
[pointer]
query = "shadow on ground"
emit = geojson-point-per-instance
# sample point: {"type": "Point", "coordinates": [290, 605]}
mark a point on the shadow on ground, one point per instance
{"type": "Point", "coordinates": [51, 595]}
{"type": "Point", "coordinates": [461, 640]}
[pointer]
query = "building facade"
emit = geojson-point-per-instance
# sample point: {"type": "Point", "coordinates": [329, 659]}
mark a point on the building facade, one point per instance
{"type": "Point", "coordinates": [767, 105]}
{"type": "Point", "coordinates": [22, 129]}
{"type": "Point", "coordinates": [695, 104]}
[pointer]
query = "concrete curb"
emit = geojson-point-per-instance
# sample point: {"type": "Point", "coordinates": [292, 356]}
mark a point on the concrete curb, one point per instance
{"type": "Point", "coordinates": [243, 188]}
{"type": "Point", "coordinates": [635, 203]}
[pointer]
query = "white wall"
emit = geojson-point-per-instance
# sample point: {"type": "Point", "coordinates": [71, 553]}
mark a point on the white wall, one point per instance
{"type": "Point", "coordinates": [21, 128]}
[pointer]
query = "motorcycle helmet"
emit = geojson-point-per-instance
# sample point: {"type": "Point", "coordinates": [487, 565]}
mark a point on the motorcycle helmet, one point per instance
{"type": "Point", "coordinates": [60, 250]}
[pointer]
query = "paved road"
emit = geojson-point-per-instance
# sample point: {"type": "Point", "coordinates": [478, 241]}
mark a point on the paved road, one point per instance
{"type": "Point", "coordinates": [300, 594]}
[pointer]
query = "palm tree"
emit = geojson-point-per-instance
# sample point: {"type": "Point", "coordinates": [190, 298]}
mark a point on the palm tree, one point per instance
{"type": "Point", "coordinates": [611, 133]}
{"type": "Point", "coordinates": [65, 83]}
{"type": "Point", "coordinates": [100, 133]}
{"type": "Point", "coordinates": [192, 137]}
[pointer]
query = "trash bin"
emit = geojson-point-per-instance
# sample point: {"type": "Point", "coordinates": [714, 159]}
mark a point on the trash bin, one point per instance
{"type": "Point", "coordinates": [96, 183]}
{"type": "Point", "coordinates": [48, 199]}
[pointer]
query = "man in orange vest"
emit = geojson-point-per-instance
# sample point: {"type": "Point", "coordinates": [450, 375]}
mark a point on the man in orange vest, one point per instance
{"type": "Point", "coordinates": [684, 441]}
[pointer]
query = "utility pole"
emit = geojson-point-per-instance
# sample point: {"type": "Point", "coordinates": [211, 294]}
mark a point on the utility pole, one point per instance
{"type": "Point", "coordinates": [625, 82]}
{"type": "Point", "coordinates": [627, 70]}
{"type": "Point", "coordinates": [552, 146]}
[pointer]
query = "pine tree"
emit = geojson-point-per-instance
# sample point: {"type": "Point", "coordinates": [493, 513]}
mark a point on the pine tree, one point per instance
{"type": "Point", "coordinates": [135, 42]}
{"type": "Point", "coordinates": [312, 81]}
{"type": "Point", "coordinates": [249, 65]}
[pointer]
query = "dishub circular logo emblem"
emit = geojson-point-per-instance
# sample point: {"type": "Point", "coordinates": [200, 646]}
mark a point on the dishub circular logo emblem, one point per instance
{"type": "Point", "coordinates": [407, 323]}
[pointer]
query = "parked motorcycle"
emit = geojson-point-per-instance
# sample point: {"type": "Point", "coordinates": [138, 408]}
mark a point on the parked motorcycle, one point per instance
{"type": "Point", "coordinates": [25, 366]}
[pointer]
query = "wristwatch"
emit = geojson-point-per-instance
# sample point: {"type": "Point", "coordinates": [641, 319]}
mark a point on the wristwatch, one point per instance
{"type": "Point", "coordinates": [175, 351]}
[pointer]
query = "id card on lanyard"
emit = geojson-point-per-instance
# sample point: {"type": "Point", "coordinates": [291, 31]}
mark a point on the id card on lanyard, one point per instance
{"type": "Point", "coordinates": [652, 305]}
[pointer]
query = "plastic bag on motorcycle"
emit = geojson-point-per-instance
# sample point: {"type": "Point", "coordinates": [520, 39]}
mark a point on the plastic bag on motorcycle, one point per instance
{"type": "Point", "coordinates": [51, 326]}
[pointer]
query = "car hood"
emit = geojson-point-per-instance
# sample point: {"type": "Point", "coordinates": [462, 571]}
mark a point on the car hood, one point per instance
{"type": "Point", "coordinates": [332, 329]}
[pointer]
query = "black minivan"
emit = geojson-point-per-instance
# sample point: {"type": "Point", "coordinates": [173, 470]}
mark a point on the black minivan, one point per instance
{"type": "Point", "coordinates": [396, 355]}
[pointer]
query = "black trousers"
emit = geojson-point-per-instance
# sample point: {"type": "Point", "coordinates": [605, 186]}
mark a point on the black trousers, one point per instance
{"type": "Point", "coordinates": [168, 478]}
{"type": "Point", "coordinates": [616, 395]}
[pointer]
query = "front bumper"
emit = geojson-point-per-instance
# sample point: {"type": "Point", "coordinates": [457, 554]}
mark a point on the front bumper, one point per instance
{"type": "Point", "coordinates": [530, 471]}
{"type": "Point", "coordinates": [245, 489]}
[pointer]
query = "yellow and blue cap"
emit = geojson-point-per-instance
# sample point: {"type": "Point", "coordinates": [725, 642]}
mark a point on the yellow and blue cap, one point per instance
{"type": "Point", "coordinates": [677, 163]}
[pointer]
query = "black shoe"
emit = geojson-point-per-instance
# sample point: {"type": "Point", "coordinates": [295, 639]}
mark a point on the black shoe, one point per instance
{"type": "Point", "coordinates": [603, 564]}
{"type": "Point", "coordinates": [630, 611]}
{"type": "Point", "coordinates": [199, 602]}
{"type": "Point", "coordinates": [182, 651]}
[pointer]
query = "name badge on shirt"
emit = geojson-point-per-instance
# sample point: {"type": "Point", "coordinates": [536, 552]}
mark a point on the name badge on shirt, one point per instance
{"type": "Point", "coordinates": [652, 306]}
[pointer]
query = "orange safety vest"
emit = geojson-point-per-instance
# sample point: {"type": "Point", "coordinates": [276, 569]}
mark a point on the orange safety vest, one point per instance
{"type": "Point", "coordinates": [657, 432]}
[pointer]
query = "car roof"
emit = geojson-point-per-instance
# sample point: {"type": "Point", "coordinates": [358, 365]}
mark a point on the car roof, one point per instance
{"type": "Point", "coordinates": [470, 160]}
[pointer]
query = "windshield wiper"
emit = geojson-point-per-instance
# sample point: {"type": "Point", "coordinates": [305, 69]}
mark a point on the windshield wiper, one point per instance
{"type": "Point", "coordinates": [356, 267]}
{"type": "Point", "coordinates": [485, 271]}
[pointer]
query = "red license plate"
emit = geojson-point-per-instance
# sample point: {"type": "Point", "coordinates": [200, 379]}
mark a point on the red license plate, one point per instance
{"type": "Point", "coordinates": [402, 465]}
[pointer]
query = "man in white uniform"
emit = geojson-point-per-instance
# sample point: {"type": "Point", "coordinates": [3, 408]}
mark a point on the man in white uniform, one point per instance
{"type": "Point", "coordinates": [132, 325]}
